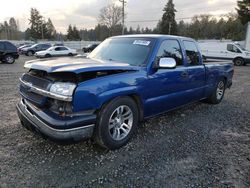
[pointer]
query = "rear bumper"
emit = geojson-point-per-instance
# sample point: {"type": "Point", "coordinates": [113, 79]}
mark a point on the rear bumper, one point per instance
{"type": "Point", "coordinates": [32, 121]}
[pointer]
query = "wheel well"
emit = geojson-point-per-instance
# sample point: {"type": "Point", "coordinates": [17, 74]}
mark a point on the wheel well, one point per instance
{"type": "Point", "coordinates": [138, 101]}
{"type": "Point", "coordinates": [135, 98]}
{"type": "Point", "coordinates": [8, 54]}
{"type": "Point", "coordinates": [225, 78]}
{"type": "Point", "coordinates": [238, 58]}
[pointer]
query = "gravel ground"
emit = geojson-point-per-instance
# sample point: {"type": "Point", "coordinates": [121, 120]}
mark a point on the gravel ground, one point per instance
{"type": "Point", "coordinates": [200, 145]}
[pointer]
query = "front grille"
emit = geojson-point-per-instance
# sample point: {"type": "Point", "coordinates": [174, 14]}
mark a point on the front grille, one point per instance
{"type": "Point", "coordinates": [37, 82]}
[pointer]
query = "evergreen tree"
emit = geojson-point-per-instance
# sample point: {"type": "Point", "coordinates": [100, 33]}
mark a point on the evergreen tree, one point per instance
{"type": "Point", "coordinates": [70, 35]}
{"type": "Point", "coordinates": [168, 23]}
{"type": "Point", "coordinates": [244, 11]}
{"type": "Point", "coordinates": [51, 31]}
{"type": "Point", "coordinates": [36, 24]}
{"type": "Point", "coordinates": [76, 35]}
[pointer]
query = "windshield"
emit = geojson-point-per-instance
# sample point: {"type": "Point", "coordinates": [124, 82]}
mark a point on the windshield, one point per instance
{"type": "Point", "coordinates": [240, 47]}
{"type": "Point", "coordinates": [50, 49]}
{"type": "Point", "coordinates": [133, 51]}
{"type": "Point", "coordinates": [34, 45]}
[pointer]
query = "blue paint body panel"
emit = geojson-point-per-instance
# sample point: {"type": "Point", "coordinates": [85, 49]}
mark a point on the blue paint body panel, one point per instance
{"type": "Point", "coordinates": [158, 90]}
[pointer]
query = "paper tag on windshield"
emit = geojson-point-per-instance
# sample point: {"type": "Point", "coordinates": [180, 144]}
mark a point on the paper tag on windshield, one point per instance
{"type": "Point", "coordinates": [142, 42]}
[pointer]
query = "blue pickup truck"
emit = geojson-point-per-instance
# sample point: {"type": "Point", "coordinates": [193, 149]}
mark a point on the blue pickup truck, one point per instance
{"type": "Point", "coordinates": [124, 80]}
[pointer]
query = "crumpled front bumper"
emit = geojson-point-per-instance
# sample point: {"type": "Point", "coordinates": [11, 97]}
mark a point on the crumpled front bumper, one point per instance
{"type": "Point", "coordinates": [29, 119]}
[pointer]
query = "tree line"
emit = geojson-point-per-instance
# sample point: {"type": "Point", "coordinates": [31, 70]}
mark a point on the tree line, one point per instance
{"type": "Point", "coordinates": [10, 30]}
{"type": "Point", "coordinates": [205, 26]}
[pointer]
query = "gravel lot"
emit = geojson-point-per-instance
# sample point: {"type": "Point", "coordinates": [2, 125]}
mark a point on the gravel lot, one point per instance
{"type": "Point", "coordinates": [200, 145]}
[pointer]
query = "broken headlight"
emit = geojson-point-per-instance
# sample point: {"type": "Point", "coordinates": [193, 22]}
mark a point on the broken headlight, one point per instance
{"type": "Point", "coordinates": [62, 88]}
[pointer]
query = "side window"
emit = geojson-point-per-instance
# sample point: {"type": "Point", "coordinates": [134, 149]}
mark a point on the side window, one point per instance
{"type": "Point", "coordinates": [233, 48]}
{"type": "Point", "coordinates": [63, 48]}
{"type": "Point", "coordinates": [57, 49]}
{"type": "Point", "coordinates": [171, 48]}
{"type": "Point", "coordinates": [1, 46]}
{"type": "Point", "coordinates": [192, 53]}
{"type": "Point", "coordinates": [44, 46]}
{"type": "Point", "coordinates": [39, 46]}
{"type": "Point", "coordinates": [10, 46]}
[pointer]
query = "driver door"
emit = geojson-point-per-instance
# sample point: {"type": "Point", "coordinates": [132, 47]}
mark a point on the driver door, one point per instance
{"type": "Point", "coordinates": [167, 87]}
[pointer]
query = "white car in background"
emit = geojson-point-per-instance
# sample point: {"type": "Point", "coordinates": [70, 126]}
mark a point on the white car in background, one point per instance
{"type": "Point", "coordinates": [56, 51]}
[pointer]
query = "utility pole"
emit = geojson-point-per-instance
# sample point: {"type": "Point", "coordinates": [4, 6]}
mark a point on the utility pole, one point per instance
{"type": "Point", "coordinates": [169, 28]}
{"type": "Point", "coordinates": [123, 15]}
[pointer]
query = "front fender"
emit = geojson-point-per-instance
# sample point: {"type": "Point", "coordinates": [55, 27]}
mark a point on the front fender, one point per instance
{"type": "Point", "coordinates": [94, 93]}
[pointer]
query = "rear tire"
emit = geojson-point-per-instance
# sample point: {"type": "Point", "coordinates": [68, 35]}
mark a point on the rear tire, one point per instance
{"type": "Point", "coordinates": [9, 59]}
{"type": "Point", "coordinates": [218, 92]}
{"type": "Point", "coordinates": [117, 122]}
{"type": "Point", "coordinates": [70, 54]}
{"type": "Point", "coordinates": [239, 61]}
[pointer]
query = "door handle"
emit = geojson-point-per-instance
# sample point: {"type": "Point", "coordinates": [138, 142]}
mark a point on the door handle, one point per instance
{"type": "Point", "coordinates": [184, 74]}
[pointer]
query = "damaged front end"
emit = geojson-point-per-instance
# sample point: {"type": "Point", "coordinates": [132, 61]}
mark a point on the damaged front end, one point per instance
{"type": "Point", "coordinates": [55, 91]}
{"type": "Point", "coordinates": [47, 103]}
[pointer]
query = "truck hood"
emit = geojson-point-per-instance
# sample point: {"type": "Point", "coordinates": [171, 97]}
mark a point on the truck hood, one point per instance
{"type": "Point", "coordinates": [76, 65]}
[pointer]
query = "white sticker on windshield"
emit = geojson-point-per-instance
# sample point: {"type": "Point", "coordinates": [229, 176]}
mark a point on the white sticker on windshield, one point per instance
{"type": "Point", "coordinates": [142, 42]}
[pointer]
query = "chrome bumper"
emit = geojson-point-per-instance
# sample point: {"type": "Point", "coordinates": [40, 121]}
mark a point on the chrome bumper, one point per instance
{"type": "Point", "coordinates": [31, 121]}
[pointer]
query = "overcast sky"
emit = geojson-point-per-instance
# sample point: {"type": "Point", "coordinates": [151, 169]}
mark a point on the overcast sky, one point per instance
{"type": "Point", "coordinates": [84, 13]}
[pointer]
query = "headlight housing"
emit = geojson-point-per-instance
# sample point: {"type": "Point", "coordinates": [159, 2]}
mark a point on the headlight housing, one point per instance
{"type": "Point", "coordinates": [63, 88]}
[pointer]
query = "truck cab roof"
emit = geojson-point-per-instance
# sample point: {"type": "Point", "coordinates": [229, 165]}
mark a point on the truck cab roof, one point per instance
{"type": "Point", "coordinates": [155, 36]}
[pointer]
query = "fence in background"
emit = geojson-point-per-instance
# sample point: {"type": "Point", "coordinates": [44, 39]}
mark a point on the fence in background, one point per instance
{"type": "Point", "coordinates": [71, 44]}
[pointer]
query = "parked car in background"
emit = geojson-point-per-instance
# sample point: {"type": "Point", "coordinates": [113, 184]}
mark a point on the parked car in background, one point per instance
{"type": "Point", "coordinates": [125, 80]}
{"type": "Point", "coordinates": [19, 49]}
{"type": "Point", "coordinates": [225, 51]}
{"type": "Point", "coordinates": [56, 51]}
{"type": "Point", "coordinates": [89, 48]}
{"type": "Point", "coordinates": [8, 52]}
{"type": "Point", "coordinates": [24, 43]}
{"type": "Point", "coordinates": [29, 51]}
{"type": "Point", "coordinates": [58, 44]}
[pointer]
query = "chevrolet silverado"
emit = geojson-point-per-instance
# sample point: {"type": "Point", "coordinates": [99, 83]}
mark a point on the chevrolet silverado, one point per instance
{"type": "Point", "coordinates": [124, 80]}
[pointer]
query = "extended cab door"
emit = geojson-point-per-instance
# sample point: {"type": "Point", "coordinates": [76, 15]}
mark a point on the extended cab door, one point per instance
{"type": "Point", "coordinates": [166, 88]}
{"type": "Point", "coordinates": [196, 72]}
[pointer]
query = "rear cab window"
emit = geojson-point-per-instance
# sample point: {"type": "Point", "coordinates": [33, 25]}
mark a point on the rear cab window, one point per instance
{"type": "Point", "coordinates": [192, 52]}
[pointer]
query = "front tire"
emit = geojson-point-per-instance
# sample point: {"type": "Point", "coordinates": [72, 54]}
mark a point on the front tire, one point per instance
{"type": "Point", "coordinates": [9, 59]}
{"type": "Point", "coordinates": [218, 92]}
{"type": "Point", "coordinates": [117, 123]}
{"type": "Point", "coordinates": [47, 56]}
{"type": "Point", "coordinates": [30, 53]}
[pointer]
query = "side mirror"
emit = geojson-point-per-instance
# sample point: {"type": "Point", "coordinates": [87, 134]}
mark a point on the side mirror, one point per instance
{"type": "Point", "coordinates": [167, 63]}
